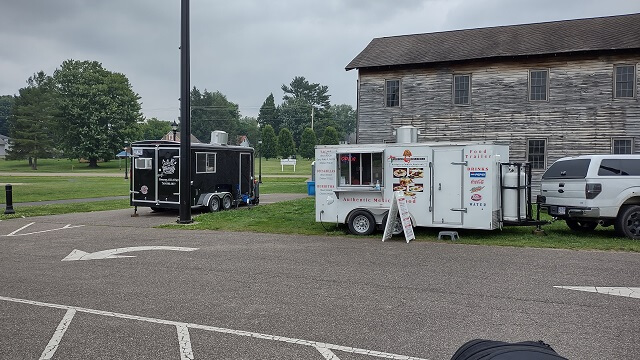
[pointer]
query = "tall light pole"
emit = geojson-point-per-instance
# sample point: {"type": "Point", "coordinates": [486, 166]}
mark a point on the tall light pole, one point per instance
{"type": "Point", "coordinates": [260, 161]}
{"type": "Point", "coordinates": [185, 117]}
{"type": "Point", "coordinates": [174, 128]}
{"type": "Point", "coordinates": [126, 156]}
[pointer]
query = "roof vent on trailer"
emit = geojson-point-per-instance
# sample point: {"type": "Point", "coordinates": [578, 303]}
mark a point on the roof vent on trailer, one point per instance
{"type": "Point", "coordinates": [406, 134]}
{"type": "Point", "coordinates": [219, 137]}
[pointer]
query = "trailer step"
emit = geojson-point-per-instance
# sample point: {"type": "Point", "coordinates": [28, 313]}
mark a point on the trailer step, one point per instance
{"type": "Point", "coordinates": [451, 234]}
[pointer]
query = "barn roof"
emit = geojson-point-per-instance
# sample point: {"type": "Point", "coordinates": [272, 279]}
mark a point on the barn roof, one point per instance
{"type": "Point", "coordinates": [610, 33]}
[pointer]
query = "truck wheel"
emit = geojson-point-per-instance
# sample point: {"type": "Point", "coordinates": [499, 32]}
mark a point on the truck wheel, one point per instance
{"type": "Point", "coordinates": [214, 204]}
{"type": "Point", "coordinates": [226, 202]}
{"type": "Point", "coordinates": [397, 229]}
{"type": "Point", "coordinates": [628, 222]}
{"type": "Point", "coordinates": [580, 225]}
{"type": "Point", "coordinates": [361, 223]}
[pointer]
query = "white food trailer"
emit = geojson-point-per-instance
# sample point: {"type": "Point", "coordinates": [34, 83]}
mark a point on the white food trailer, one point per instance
{"type": "Point", "coordinates": [467, 185]}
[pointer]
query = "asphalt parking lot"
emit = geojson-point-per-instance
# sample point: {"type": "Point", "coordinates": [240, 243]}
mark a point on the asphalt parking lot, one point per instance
{"type": "Point", "coordinates": [129, 290]}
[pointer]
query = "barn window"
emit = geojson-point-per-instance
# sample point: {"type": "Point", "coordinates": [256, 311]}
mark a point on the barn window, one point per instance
{"type": "Point", "coordinates": [461, 89]}
{"type": "Point", "coordinates": [392, 93]}
{"type": "Point", "coordinates": [622, 146]}
{"type": "Point", "coordinates": [536, 153]}
{"type": "Point", "coordinates": [538, 85]}
{"type": "Point", "coordinates": [624, 81]}
{"type": "Point", "coordinates": [205, 162]}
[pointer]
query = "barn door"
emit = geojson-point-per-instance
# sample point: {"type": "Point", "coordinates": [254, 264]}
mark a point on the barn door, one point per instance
{"type": "Point", "coordinates": [448, 172]}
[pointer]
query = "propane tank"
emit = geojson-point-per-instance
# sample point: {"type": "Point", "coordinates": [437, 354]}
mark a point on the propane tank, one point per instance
{"type": "Point", "coordinates": [510, 196]}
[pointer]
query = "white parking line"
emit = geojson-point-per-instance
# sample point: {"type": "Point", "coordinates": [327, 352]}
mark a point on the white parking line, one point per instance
{"type": "Point", "coordinates": [68, 226]}
{"type": "Point", "coordinates": [632, 292]}
{"type": "Point", "coordinates": [328, 354]}
{"type": "Point", "coordinates": [314, 344]}
{"type": "Point", "coordinates": [52, 346]}
{"type": "Point", "coordinates": [185, 342]}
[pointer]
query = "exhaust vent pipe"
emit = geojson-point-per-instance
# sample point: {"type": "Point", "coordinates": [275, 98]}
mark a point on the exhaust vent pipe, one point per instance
{"type": "Point", "coordinates": [407, 134]}
{"type": "Point", "coordinates": [219, 137]}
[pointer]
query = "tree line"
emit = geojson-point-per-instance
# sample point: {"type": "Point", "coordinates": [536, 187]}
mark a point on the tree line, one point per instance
{"type": "Point", "coordinates": [84, 111]}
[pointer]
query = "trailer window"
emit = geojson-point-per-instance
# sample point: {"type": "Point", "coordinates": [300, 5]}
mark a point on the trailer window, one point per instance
{"type": "Point", "coordinates": [360, 169]}
{"type": "Point", "coordinates": [143, 163]}
{"type": "Point", "coordinates": [205, 162]}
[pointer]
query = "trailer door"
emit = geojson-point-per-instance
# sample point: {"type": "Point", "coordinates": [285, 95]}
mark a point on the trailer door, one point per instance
{"type": "Point", "coordinates": [246, 173]}
{"type": "Point", "coordinates": [143, 174]}
{"type": "Point", "coordinates": [168, 188]}
{"type": "Point", "coordinates": [447, 174]}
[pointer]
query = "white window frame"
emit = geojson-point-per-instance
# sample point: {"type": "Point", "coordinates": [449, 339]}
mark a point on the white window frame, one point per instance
{"type": "Point", "coordinates": [215, 162]}
{"type": "Point", "coordinates": [613, 143]}
{"type": "Point", "coordinates": [143, 163]}
{"type": "Point", "coordinates": [453, 90]}
{"type": "Point", "coordinates": [546, 146]}
{"type": "Point", "coordinates": [634, 81]}
{"type": "Point", "coordinates": [386, 88]}
{"type": "Point", "coordinates": [546, 99]}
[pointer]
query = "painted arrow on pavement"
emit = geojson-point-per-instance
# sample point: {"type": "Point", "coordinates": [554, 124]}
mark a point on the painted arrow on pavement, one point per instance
{"type": "Point", "coordinates": [113, 253]}
{"type": "Point", "coordinates": [633, 292]}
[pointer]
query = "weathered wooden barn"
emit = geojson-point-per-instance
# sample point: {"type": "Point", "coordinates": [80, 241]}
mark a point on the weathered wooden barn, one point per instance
{"type": "Point", "coordinates": [551, 89]}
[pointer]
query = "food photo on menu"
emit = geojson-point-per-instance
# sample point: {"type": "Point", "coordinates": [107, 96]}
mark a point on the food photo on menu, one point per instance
{"type": "Point", "coordinates": [416, 173]}
{"type": "Point", "coordinates": [399, 172]}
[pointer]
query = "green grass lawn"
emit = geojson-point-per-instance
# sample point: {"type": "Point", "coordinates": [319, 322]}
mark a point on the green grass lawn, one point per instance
{"type": "Point", "coordinates": [40, 188]}
{"type": "Point", "coordinates": [298, 217]}
{"type": "Point", "coordinates": [269, 167]}
{"type": "Point", "coordinates": [62, 166]}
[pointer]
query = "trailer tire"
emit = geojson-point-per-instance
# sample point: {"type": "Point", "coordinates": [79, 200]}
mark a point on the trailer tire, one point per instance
{"type": "Point", "coordinates": [256, 201]}
{"type": "Point", "coordinates": [361, 222]}
{"type": "Point", "coordinates": [214, 204]}
{"type": "Point", "coordinates": [226, 202]}
{"type": "Point", "coordinates": [397, 229]}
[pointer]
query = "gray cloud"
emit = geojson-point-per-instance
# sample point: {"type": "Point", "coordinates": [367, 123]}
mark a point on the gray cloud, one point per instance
{"type": "Point", "coordinates": [245, 49]}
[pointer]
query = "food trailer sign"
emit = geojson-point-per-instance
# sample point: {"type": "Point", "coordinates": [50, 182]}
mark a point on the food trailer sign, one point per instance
{"type": "Point", "coordinates": [399, 205]}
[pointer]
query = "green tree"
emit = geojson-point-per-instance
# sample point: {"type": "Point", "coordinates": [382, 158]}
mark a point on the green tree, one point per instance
{"type": "Point", "coordinates": [286, 146]}
{"type": "Point", "coordinates": [295, 115]}
{"type": "Point", "coordinates": [330, 137]}
{"type": "Point", "coordinates": [269, 148]}
{"type": "Point", "coordinates": [308, 144]}
{"type": "Point", "coordinates": [315, 95]}
{"type": "Point", "coordinates": [344, 116]}
{"type": "Point", "coordinates": [212, 111]}
{"type": "Point", "coordinates": [268, 114]}
{"type": "Point", "coordinates": [33, 120]}
{"type": "Point", "coordinates": [98, 110]}
{"type": "Point", "coordinates": [248, 126]}
{"type": "Point", "coordinates": [6, 109]}
{"type": "Point", "coordinates": [154, 129]}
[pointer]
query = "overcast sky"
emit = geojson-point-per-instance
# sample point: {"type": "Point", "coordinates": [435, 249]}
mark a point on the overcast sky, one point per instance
{"type": "Point", "coordinates": [246, 49]}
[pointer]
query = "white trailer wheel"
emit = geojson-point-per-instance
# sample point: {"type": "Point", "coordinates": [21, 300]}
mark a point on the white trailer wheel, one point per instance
{"type": "Point", "coordinates": [226, 202]}
{"type": "Point", "coordinates": [214, 204]}
{"type": "Point", "coordinates": [361, 223]}
{"type": "Point", "coordinates": [397, 229]}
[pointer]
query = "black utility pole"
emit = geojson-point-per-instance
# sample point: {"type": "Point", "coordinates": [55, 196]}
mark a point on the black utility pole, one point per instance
{"type": "Point", "coordinates": [185, 116]}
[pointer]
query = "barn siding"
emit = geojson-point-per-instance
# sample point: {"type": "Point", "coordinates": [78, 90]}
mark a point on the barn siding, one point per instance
{"type": "Point", "coordinates": [580, 117]}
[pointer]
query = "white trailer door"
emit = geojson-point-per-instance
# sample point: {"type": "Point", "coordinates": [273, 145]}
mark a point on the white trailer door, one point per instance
{"type": "Point", "coordinates": [447, 172]}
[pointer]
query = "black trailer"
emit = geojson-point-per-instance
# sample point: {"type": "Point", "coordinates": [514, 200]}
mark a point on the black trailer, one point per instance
{"type": "Point", "coordinates": [222, 176]}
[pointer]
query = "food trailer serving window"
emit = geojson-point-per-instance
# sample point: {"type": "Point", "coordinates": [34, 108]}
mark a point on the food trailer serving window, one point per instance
{"type": "Point", "coordinates": [143, 163]}
{"type": "Point", "coordinates": [205, 162]}
{"type": "Point", "coordinates": [357, 169]}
